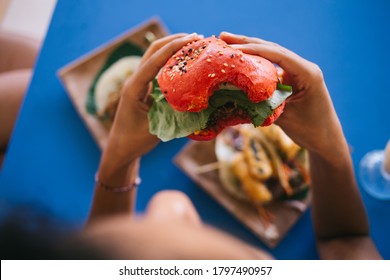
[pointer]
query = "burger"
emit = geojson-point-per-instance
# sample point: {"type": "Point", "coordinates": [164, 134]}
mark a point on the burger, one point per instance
{"type": "Point", "coordinates": [208, 85]}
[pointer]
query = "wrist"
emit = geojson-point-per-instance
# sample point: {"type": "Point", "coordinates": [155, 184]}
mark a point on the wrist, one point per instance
{"type": "Point", "coordinates": [118, 151]}
{"type": "Point", "coordinates": [117, 175]}
{"type": "Point", "coordinates": [335, 152]}
{"type": "Point", "coordinates": [125, 188]}
{"type": "Point", "coordinates": [329, 142]}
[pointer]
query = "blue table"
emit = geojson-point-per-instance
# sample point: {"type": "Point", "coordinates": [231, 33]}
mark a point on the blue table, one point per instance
{"type": "Point", "coordinates": [52, 158]}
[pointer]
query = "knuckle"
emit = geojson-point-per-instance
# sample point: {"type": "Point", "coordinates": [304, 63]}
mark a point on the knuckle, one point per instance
{"type": "Point", "coordinates": [153, 47]}
{"type": "Point", "coordinates": [251, 46]}
{"type": "Point", "coordinates": [271, 44]}
{"type": "Point", "coordinates": [171, 48]}
{"type": "Point", "coordinates": [254, 40]}
{"type": "Point", "coordinates": [316, 72]}
{"type": "Point", "coordinates": [175, 44]}
{"type": "Point", "coordinates": [156, 43]}
{"type": "Point", "coordinates": [245, 39]}
{"type": "Point", "coordinates": [281, 50]}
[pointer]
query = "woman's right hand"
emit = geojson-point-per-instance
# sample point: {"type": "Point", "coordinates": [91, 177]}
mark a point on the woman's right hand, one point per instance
{"type": "Point", "coordinates": [309, 117]}
{"type": "Point", "coordinates": [129, 137]}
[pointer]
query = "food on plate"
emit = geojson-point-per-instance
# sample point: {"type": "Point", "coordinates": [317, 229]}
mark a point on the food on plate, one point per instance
{"type": "Point", "coordinates": [108, 87]}
{"type": "Point", "coordinates": [262, 165]}
{"type": "Point", "coordinates": [208, 85]}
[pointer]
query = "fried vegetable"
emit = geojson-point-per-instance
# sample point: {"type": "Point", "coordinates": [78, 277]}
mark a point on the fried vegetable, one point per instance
{"type": "Point", "coordinates": [255, 189]}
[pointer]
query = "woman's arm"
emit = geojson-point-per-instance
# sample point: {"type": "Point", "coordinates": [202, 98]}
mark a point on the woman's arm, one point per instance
{"type": "Point", "coordinates": [110, 202]}
{"type": "Point", "coordinates": [129, 137]}
{"type": "Point", "coordinates": [339, 218]}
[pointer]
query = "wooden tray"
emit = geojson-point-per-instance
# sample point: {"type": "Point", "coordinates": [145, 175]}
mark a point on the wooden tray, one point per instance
{"type": "Point", "coordinates": [196, 154]}
{"type": "Point", "coordinates": [78, 75]}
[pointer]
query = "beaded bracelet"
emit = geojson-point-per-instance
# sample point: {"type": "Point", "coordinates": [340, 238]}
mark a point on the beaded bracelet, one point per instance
{"type": "Point", "coordinates": [106, 187]}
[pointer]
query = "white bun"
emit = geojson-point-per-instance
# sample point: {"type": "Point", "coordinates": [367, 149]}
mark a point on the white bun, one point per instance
{"type": "Point", "coordinates": [112, 80]}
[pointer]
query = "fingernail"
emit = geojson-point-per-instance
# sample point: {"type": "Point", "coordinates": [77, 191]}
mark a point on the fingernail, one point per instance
{"type": "Point", "coordinates": [195, 35]}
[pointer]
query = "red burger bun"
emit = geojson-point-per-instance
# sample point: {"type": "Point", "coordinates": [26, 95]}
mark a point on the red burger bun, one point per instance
{"type": "Point", "coordinates": [193, 73]}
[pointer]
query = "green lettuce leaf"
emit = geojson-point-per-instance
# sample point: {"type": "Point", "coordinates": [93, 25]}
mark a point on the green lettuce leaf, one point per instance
{"type": "Point", "coordinates": [258, 112]}
{"type": "Point", "coordinates": [167, 124]}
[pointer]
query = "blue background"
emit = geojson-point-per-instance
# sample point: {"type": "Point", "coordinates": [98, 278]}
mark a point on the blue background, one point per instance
{"type": "Point", "coordinates": [52, 158]}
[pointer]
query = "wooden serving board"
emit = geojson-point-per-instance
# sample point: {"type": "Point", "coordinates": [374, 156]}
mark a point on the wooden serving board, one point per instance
{"type": "Point", "coordinates": [197, 154]}
{"type": "Point", "coordinates": [78, 76]}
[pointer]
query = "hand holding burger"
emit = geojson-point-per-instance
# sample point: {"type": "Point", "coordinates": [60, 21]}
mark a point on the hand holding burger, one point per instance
{"type": "Point", "coordinates": [129, 136]}
{"type": "Point", "coordinates": [208, 85]}
{"type": "Point", "coordinates": [309, 117]}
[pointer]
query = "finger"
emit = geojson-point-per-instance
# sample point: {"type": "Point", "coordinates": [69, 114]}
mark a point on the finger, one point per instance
{"type": "Point", "coordinates": [147, 97]}
{"type": "Point", "coordinates": [157, 60]}
{"type": "Point", "coordinates": [231, 38]}
{"type": "Point", "coordinates": [158, 44]}
{"type": "Point", "coordinates": [288, 60]}
{"type": "Point", "coordinates": [292, 63]}
{"type": "Point", "coordinates": [286, 78]}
